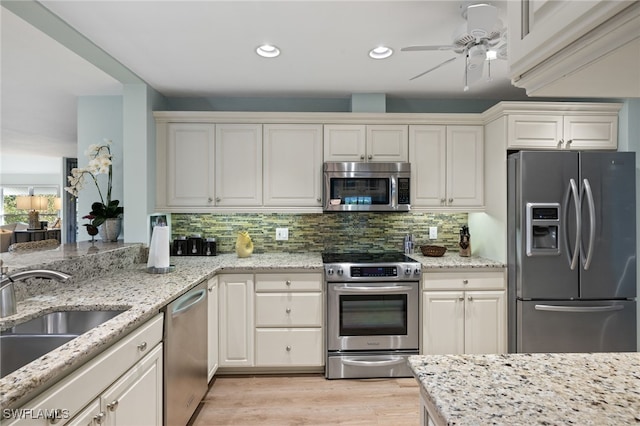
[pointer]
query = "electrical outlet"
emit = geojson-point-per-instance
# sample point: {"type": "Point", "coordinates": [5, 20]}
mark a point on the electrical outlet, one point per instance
{"type": "Point", "coordinates": [282, 234]}
{"type": "Point", "coordinates": [433, 232]}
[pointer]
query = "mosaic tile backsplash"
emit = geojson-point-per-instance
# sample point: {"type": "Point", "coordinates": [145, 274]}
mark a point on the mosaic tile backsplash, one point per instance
{"type": "Point", "coordinates": [340, 232]}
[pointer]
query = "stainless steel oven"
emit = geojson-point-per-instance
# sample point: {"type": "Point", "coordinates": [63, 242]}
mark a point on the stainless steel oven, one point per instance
{"type": "Point", "coordinates": [372, 314]}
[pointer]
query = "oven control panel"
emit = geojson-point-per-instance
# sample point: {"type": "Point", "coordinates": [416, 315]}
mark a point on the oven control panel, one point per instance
{"type": "Point", "coordinates": [373, 271]}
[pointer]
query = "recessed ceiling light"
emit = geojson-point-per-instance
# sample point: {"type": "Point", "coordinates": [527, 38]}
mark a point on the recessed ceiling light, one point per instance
{"type": "Point", "coordinates": [268, 51]}
{"type": "Point", "coordinates": [380, 52]}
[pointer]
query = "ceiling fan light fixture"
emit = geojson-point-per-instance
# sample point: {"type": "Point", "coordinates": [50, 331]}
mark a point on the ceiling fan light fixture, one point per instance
{"type": "Point", "coordinates": [491, 55]}
{"type": "Point", "coordinates": [380, 52]}
{"type": "Point", "coordinates": [268, 51]}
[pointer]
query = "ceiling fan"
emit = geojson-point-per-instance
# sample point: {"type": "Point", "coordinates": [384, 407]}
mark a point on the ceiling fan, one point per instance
{"type": "Point", "coordinates": [480, 39]}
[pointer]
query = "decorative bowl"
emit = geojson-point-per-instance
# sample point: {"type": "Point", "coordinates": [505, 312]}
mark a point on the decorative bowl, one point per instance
{"type": "Point", "coordinates": [433, 251]}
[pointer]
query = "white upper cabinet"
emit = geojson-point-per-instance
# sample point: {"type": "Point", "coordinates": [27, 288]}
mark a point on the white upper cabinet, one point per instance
{"type": "Point", "coordinates": [187, 150]}
{"type": "Point", "coordinates": [238, 165]}
{"type": "Point", "coordinates": [568, 48]}
{"type": "Point", "coordinates": [359, 142]}
{"type": "Point", "coordinates": [447, 167]}
{"type": "Point", "coordinates": [292, 165]}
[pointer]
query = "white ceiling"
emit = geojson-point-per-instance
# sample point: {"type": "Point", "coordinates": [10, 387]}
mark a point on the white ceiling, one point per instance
{"type": "Point", "coordinates": [206, 49]}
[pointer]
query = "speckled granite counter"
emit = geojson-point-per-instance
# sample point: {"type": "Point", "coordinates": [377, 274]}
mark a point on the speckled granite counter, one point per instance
{"type": "Point", "coordinates": [453, 260]}
{"type": "Point", "coordinates": [131, 288]}
{"type": "Point", "coordinates": [518, 389]}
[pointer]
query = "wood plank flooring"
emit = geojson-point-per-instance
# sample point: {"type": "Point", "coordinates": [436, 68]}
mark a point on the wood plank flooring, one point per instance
{"type": "Point", "coordinates": [309, 400]}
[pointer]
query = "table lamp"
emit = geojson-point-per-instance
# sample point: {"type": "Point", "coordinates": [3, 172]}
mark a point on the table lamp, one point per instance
{"type": "Point", "coordinates": [33, 204]}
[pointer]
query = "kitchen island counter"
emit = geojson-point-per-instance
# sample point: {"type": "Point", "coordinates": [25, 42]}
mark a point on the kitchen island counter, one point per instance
{"type": "Point", "coordinates": [126, 287]}
{"type": "Point", "coordinates": [518, 389]}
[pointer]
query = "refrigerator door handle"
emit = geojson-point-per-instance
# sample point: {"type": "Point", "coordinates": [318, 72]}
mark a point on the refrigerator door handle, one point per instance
{"type": "Point", "coordinates": [586, 260]}
{"type": "Point", "coordinates": [572, 190]}
{"type": "Point", "coordinates": [578, 309]}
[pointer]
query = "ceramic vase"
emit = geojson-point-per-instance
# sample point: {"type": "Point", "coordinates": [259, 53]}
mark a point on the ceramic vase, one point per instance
{"type": "Point", "coordinates": [110, 229]}
{"type": "Point", "coordinates": [244, 245]}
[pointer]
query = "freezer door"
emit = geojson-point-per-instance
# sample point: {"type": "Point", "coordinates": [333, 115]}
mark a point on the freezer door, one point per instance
{"type": "Point", "coordinates": [608, 264]}
{"type": "Point", "coordinates": [576, 326]}
{"type": "Point", "coordinates": [543, 179]}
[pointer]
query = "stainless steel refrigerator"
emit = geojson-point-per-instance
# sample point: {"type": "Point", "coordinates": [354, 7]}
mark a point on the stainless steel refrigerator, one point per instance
{"type": "Point", "coordinates": [571, 251]}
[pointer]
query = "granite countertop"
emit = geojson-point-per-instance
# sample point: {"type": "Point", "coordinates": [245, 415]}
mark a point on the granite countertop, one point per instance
{"type": "Point", "coordinates": [127, 286]}
{"type": "Point", "coordinates": [453, 260]}
{"type": "Point", "coordinates": [519, 389]}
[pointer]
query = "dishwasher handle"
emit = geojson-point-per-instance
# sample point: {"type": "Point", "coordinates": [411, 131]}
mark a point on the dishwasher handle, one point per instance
{"type": "Point", "coordinates": [188, 301]}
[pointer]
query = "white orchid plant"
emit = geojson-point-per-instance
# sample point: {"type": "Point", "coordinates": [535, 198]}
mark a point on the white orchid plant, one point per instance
{"type": "Point", "coordinates": [100, 162]}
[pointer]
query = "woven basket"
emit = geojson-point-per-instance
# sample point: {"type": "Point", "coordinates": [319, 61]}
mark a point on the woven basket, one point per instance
{"type": "Point", "coordinates": [433, 251]}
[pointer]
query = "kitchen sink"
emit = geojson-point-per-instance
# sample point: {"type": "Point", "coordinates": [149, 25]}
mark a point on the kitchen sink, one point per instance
{"type": "Point", "coordinates": [63, 322]}
{"type": "Point", "coordinates": [18, 350]}
{"type": "Point", "coordinates": [30, 340]}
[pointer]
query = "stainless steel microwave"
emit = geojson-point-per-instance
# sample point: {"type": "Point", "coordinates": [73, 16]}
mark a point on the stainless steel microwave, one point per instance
{"type": "Point", "coordinates": [381, 187]}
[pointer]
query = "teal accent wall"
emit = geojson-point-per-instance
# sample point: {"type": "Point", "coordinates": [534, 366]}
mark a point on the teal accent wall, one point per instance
{"type": "Point", "coordinates": [352, 232]}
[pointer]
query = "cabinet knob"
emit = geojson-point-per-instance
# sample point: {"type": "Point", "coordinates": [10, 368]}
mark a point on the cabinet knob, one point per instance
{"type": "Point", "coordinates": [288, 310]}
{"type": "Point", "coordinates": [288, 348]}
{"type": "Point", "coordinates": [470, 299]}
{"type": "Point", "coordinates": [461, 298]}
{"type": "Point", "coordinates": [142, 346]}
{"type": "Point", "coordinates": [319, 200]}
{"type": "Point", "coordinates": [362, 157]}
{"type": "Point", "coordinates": [568, 143]}
{"type": "Point", "coordinates": [217, 199]}
{"type": "Point", "coordinates": [450, 200]}
{"type": "Point", "coordinates": [560, 143]}
{"type": "Point", "coordinates": [288, 283]}
{"type": "Point", "coordinates": [370, 157]}
{"type": "Point", "coordinates": [98, 418]}
{"type": "Point", "coordinates": [465, 281]}
{"type": "Point", "coordinates": [442, 200]}
{"type": "Point", "coordinates": [55, 416]}
{"type": "Point", "coordinates": [113, 405]}
{"type": "Point", "coordinates": [209, 199]}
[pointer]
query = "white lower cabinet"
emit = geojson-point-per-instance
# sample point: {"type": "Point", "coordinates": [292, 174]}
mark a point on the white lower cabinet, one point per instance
{"type": "Point", "coordinates": [236, 320]}
{"type": "Point", "coordinates": [282, 347]}
{"type": "Point", "coordinates": [121, 386]}
{"type": "Point", "coordinates": [464, 313]}
{"type": "Point", "coordinates": [212, 327]}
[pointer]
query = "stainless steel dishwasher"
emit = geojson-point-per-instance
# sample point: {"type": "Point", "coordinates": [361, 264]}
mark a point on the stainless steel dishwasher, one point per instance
{"type": "Point", "coordinates": [185, 355]}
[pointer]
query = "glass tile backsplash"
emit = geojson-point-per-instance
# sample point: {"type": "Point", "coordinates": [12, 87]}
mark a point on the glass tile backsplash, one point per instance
{"type": "Point", "coordinates": [341, 232]}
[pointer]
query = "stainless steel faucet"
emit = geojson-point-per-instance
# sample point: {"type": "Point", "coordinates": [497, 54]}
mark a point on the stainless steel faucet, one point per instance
{"type": "Point", "coordinates": [7, 289]}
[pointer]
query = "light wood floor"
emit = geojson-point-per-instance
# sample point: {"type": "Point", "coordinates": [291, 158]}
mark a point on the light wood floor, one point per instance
{"type": "Point", "coordinates": [309, 400]}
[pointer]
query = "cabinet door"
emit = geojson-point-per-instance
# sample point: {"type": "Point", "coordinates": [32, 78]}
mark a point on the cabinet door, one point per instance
{"type": "Point", "coordinates": [428, 158]}
{"type": "Point", "coordinates": [344, 142]}
{"type": "Point", "coordinates": [238, 165]}
{"type": "Point", "coordinates": [387, 142]}
{"type": "Point", "coordinates": [212, 327]}
{"type": "Point", "coordinates": [442, 322]}
{"type": "Point", "coordinates": [485, 322]}
{"type": "Point", "coordinates": [293, 165]}
{"type": "Point", "coordinates": [236, 320]}
{"type": "Point", "coordinates": [534, 131]}
{"type": "Point", "coordinates": [136, 398]}
{"type": "Point", "coordinates": [189, 164]}
{"type": "Point", "coordinates": [465, 166]}
{"type": "Point", "coordinates": [591, 131]}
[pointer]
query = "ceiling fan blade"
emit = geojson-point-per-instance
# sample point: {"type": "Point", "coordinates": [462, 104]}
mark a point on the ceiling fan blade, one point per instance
{"type": "Point", "coordinates": [434, 68]}
{"type": "Point", "coordinates": [481, 19]}
{"type": "Point", "coordinates": [421, 48]}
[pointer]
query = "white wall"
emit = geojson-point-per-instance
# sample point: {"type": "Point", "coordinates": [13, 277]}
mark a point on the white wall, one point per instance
{"type": "Point", "coordinates": [99, 118]}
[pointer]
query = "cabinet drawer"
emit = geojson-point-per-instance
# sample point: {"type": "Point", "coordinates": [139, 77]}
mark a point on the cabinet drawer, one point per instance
{"type": "Point", "coordinates": [289, 309]}
{"type": "Point", "coordinates": [289, 347]}
{"type": "Point", "coordinates": [73, 393]}
{"type": "Point", "coordinates": [493, 280]}
{"type": "Point", "coordinates": [289, 282]}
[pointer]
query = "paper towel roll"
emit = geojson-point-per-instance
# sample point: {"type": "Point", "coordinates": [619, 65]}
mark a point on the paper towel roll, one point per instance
{"type": "Point", "coordinates": [159, 248]}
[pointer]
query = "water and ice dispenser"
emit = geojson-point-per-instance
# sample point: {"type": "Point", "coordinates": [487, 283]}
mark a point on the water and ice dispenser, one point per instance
{"type": "Point", "coordinates": [543, 229]}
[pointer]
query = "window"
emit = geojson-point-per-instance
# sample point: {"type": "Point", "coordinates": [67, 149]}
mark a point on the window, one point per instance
{"type": "Point", "coordinates": [9, 213]}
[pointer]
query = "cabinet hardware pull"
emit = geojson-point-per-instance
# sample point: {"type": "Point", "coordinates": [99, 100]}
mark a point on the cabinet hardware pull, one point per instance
{"type": "Point", "coordinates": [567, 143]}
{"type": "Point", "coordinates": [288, 348]}
{"type": "Point", "coordinates": [288, 282]}
{"type": "Point", "coordinates": [442, 200]}
{"type": "Point", "coordinates": [461, 298]}
{"type": "Point", "coordinates": [218, 199]}
{"type": "Point", "coordinates": [465, 281]}
{"type": "Point", "coordinates": [288, 310]}
{"type": "Point", "coordinates": [362, 157]}
{"type": "Point", "coordinates": [55, 417]}
{"type": "Point", "coordinates": [113, 406]}
{"type": "Point", "coordinates": [370, 156]}
{"type": "Point", "coordinates": [319, 199]}
{"type": "Point", "coordinates": [450, 200]}
{"type": "Point", "coordinates": [210, 289]}
{"type": "Point", "coordinates": [209, 199]}
{"type": "Point", "coordinates": [142, 346]}
{"type": "Point", "coordinates": [470, 299]}
{"type": "Point", "coordinates": [560, 143]}
{"type": "Point", "coordinates": [98, 418]}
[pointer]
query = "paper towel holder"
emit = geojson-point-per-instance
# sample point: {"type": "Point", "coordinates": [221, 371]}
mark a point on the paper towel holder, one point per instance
{"type": "Point", "coordinates": [154, 270]}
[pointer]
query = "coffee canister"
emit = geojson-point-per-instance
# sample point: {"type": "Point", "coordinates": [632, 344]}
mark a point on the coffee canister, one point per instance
{"type": "Point", "coordinates": [210, 247]}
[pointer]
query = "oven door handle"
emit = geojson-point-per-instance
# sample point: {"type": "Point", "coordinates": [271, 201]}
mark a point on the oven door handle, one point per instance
{"type": "Point", "coordinates": [355, 363]}
{"type": "Point", "coordinates": [360, 289]}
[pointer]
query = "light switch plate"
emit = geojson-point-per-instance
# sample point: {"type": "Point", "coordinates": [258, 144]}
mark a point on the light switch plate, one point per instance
{"type": "Point", "coordinates": [433, 232]}
{"type": "Point", "coordinates": [282, 234]}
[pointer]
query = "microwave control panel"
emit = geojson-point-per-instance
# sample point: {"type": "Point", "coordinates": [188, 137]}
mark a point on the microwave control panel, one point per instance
{"type": "Point", "coordinates": [404, 191]}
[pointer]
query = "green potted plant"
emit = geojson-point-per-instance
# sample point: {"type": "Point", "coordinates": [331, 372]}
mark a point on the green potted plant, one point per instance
{"type": "Point", "coordinates": [106, 214]}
